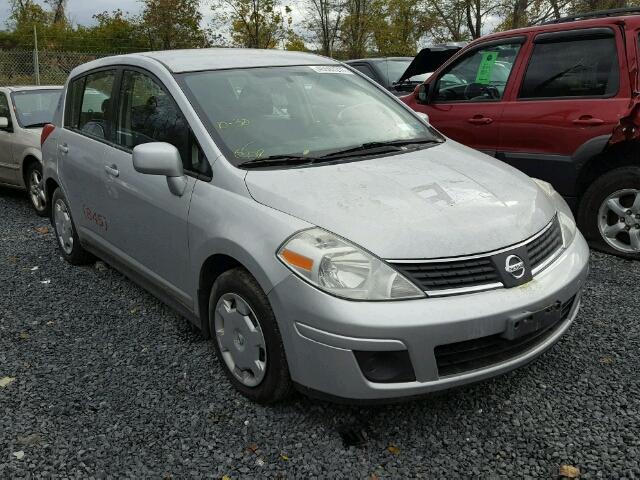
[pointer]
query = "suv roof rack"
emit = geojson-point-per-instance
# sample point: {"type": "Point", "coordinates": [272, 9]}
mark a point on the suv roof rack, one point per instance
{"type": "Point", "coordinates": [614, 12]}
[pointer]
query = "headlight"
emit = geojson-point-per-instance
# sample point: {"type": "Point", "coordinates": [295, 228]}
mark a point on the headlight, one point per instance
{"type": "Point", "coordinates": [565, 216]}
{"type": "Point", "coordinates": [340, 268]}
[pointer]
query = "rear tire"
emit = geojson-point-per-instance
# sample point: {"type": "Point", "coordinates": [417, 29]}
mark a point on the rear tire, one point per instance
{"type": "Point", "coordinates": [609, 213]}
{"type": "Point", "coordinates": [65, 230]}
{"type": "Point", "coordinates": [35, 189]}
{"type": "Point", "coordinates": [247, 339]}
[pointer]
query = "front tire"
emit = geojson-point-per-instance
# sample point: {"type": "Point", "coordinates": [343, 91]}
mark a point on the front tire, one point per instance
{"type": "Point", "coordinates": [35, 189]}
{"type": "Point", "coordinates": [609, 213]}
{"type": "Point", "coordinates": [65, 230]}
{"type": "Point", "coordinates": [247, 339]}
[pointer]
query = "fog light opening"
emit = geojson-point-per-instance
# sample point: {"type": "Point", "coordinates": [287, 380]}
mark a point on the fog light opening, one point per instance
{"type": "Point", "coordinates": [386, 367]}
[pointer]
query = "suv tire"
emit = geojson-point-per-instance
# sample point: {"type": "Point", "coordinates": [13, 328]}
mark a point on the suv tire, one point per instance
{"type": "Point", "coordinates": [65, 231]}
{"type": "Point", "coordinates": [608, 206]}
{"type": "Point", "coordinates": [35, 189]}
{"type": "Point", "coordinates": [245, 332]}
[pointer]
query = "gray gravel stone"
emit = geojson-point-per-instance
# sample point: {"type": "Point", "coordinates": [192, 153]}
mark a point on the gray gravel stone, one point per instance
{"type": "Point", "coordinates": [110, 383]}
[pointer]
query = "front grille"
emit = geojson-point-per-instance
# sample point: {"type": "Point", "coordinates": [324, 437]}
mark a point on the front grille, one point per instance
{"type": "Point", "coordinates": [434, 276]}
{"type": "Point", "coordinates": [460, 357]}
{"type": "Point", "coordinates": [446, 275]}
{"type": "Point", "coordinates": [543, 246]}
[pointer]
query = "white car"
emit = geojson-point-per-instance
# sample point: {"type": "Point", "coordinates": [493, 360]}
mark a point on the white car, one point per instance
{"type": "Point", "coordinates": [23, 113]}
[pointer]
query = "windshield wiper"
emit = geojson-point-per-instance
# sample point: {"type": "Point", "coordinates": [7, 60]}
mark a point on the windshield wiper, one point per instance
{"type": "Point", "coordinates": [34, 125]}
{"type": "Point", "coordinates": [274, 160]}
{"type": "Point", "coordinates": [373, 148]}
{"type": "Point", "coordinates": [369, 148]}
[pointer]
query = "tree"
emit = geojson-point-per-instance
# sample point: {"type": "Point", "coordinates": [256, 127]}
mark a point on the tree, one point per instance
{"type": "Point", "coordinates": [356, 28]}
{"type": "Point", "coordinates": [398, 28]}
{"type": "Point", "coordinates": [476, 13]}
{"type": "Point", "coordinates": [115, 31]}
{"type": "Point", "coordinates": [172, 24]}
{"type": "Point", "coordinates": [323, 21]}
{"type": "Point", "coordinates": [295, 42]}
{"type": "Point", "coordinates": [58, 9]}
{"type": "Point", "coordinates": [255, 23]}
{"type": "Point", "coordinates": [446, 20]}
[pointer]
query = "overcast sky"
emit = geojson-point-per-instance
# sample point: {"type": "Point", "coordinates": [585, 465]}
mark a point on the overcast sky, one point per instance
{"type": "Point", "coordinates": [82, 11]}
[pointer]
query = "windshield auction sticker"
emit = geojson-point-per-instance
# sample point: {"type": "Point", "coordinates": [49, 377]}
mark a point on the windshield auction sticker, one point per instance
{"type": "Point", "coordinates": [330, 69]}
{"type": "Point", "coordinates": [485, 68]}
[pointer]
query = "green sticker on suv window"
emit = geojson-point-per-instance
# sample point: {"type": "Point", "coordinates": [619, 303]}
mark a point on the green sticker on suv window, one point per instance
{"type": "Point", "coordinates": [487, 62]}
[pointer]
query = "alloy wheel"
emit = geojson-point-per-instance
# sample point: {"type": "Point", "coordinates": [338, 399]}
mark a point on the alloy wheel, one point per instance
{"type": "Point", "coordinates": [240, 339]}
{"type": "Point", "coordinates": [64, 226]}
{"type": "Point", "coordinates": [36, 190]}
{"type": "Point", "coordinates": [619, 220]}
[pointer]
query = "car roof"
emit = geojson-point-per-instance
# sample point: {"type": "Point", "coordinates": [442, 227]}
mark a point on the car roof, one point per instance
{"type": "Point", "coordinates": [180, 61]}
{"type": "Point", "coordinates": [613, 21]}
{"type": "Point", "coordinates": [380, 59]}
{"type": "Point", "coordinates": [22, 88]}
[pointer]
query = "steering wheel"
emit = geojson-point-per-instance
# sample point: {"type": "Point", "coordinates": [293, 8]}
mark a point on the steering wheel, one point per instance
{"type": "Point", "coordinates": [475, 90]}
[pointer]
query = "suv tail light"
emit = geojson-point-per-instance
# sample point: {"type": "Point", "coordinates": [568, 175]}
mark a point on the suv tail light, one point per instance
{"type": "Point", "coordinates": [46, 131]}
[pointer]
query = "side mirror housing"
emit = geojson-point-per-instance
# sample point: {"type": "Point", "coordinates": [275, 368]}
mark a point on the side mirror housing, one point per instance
{"type": "Point", "coordinates": [422, 93]}
{"type": "Point", "coordinates": [161, 158]}
{"type": "Point", "coordinates": [4, 123]}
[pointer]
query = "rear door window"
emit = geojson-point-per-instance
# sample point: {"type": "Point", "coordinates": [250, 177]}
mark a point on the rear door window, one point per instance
{"type": "Point", "coordinates": [586, 67]}
{"type": "Point", "coordinates": [95, 117]}
{"type": "Point", "coordinates": [480, 76]}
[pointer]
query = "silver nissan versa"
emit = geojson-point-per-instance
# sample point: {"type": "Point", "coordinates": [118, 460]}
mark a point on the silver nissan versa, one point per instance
{"type": "Point", "coordinates": [323, 234]}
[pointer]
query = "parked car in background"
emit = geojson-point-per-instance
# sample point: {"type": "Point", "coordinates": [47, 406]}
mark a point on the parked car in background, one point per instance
{"type": "Point", "coordinates": [400, 75]}
{"type": "Point", "coordinates": [560, 102]}
{"type": "Point", "coordinates": [316, 227]}
{"type": "Point", "coordinates": [23, 112]}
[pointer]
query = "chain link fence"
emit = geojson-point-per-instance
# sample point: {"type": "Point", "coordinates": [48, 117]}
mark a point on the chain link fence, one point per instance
{"type": "Point", "coordinates": [23, 67]}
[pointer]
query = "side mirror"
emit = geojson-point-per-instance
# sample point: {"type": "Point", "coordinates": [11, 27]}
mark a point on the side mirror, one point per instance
{"type": "Point", "coordinates": [161, 158]}
{"type": "Point", "coordinates": [4, 123]}
{"type": "Point", "coordinates": [422, 93]}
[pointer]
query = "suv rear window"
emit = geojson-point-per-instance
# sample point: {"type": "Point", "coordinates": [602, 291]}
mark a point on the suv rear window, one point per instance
{"type": "Point", "coordinates": [578, 68]}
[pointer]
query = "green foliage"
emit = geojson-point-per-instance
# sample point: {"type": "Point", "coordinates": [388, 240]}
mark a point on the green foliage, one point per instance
{"type": "Point", "coordinates": [171, 24]}
{"type": "Point", "coordinates": [397, 28]}
{"type": "Point", "coordinates": [295, 43]}
{"type": "Point", "coordinates": [254, 23]}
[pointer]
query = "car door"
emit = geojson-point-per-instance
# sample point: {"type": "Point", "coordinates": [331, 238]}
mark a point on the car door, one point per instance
{"type": "Point", "coordinates": [148, 223]}
{"type": "Point", "coordinates": [571, 92]}
{"type": "Point", "coordinates": [9, 168]}
{"type": "Point", "coordinates": [87, 129]}
{"type": "Point", "coordinates": [465, 99]}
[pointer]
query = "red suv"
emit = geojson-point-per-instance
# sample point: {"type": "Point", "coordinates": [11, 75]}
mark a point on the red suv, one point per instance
{"type": "Point", "coordinates": [560, 102]}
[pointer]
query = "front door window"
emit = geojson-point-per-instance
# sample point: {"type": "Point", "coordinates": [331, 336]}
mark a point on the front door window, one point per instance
{"type": "Point", "coordinates": [478, 77]}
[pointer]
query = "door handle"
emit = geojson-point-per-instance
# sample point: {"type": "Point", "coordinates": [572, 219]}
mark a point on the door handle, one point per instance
{"type": "Point", "coordinates": [112, 170]}
{"type": "Point", "coordinates": [588, 120]}
{"type": "Point", "coordinates": [480, 120]}
{"type": "Point", "coordinates": [63, 148]}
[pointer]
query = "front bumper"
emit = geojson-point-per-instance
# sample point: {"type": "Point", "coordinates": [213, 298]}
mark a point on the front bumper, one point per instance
{"type": "Point", "coordinates": [321, 332]}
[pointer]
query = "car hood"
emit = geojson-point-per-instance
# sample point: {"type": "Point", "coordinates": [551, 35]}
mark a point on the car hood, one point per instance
{"type": "Point", "coordinates": [429, 60]}
{"type": "Point", "coordinates": [437, 202]}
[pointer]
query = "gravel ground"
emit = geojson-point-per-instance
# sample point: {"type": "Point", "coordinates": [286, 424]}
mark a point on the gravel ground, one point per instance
{"type": "Point", "coordinates": [108, 382]}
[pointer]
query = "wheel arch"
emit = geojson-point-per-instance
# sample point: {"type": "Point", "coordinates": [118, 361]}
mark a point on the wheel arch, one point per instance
{"type": "Point", "coordinates": [214, 266]}
{"type": "Point", "coordinates": [595, 163]}
{"type": "Point", "coordinates": [29, 159]}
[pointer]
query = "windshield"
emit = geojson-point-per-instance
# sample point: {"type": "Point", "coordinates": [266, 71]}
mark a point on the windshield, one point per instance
{"type": "Point", "coordinates": [397, 67]}
{"type": "Point", "coordinates": [34, 108]}
{"type": "Point", "coordinates": [256, 113]}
